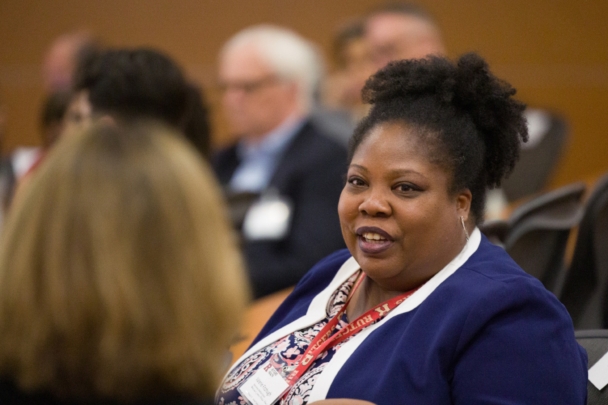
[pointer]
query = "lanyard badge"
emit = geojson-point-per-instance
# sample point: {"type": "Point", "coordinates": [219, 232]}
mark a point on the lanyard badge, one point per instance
{"type": "Point", "coordinates": [267, 385]}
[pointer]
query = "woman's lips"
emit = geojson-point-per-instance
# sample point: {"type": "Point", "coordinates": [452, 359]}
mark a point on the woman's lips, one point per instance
{"type": "Point", "coordinates": [373, 240]}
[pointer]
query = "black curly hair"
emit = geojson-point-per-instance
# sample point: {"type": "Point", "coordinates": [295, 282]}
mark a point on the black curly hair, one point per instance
{"type": "Point", "coordinates": [466, 116]}
{"type": "Point", "coordinates": [144, 83]}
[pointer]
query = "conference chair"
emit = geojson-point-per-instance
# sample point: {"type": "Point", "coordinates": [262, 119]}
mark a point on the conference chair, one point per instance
{"type": "Point", "coordinates": [595, 342]}
{"type": "Point", "coordinates": [585, 293]}
{"type": "Point", "coordinates": [536, 233]}
{"type": "Point", "coordinates": [548, 135]}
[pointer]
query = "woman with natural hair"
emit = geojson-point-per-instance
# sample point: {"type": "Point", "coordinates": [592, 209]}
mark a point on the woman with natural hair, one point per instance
{"type": "Point", "coordinates": [120, 279]}
{"type": "Point", "coordinates": [421, 308]}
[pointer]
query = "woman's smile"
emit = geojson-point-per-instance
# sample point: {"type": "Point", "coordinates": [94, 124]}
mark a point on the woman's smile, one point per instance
{"type": "Point", "coordinates": [373, 240]}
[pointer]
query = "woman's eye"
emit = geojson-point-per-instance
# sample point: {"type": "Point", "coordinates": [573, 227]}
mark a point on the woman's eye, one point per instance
{"type": "Point", "coordinates": [355, 181]}
{"type": "Point", "coordinates": [405, 187]}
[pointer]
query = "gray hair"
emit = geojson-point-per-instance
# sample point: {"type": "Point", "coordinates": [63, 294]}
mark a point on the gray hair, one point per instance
{"type": "Point", "coordinates": [288, 54]}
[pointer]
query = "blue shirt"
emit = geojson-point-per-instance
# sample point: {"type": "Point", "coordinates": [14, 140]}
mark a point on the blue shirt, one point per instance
{"type": "Point", "coordinates": [259, 161]}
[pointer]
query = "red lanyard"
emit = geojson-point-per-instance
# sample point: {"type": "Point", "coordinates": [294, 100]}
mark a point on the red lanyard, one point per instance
{"type": "Point", "coordinates": [324, 339]}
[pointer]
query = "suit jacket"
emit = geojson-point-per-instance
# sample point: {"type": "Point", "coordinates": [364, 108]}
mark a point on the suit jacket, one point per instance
{"type": "Point", "coordinates": [481, 331]}
{"type": "Point", "coordinates": [311, 174]}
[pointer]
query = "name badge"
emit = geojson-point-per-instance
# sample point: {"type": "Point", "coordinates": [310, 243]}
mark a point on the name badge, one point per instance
{"type": "Point", "coordinates": [268, 218]}
{"type": "Point", "coordinates": [264, 387]}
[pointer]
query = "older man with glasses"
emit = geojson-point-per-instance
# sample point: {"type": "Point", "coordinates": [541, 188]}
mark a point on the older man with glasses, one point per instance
{"type": "Point", "coordinates": [268, 76]}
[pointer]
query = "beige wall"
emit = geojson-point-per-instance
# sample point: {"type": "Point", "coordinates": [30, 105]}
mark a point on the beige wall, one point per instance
{"type": "Point", "coordinates": [554, 51]}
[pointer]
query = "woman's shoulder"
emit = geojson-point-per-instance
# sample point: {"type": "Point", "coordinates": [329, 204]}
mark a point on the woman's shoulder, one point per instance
{"type": "Point", "coordinates": [491, 283]}
{"type": "Point", "coordinates": [491, 268]}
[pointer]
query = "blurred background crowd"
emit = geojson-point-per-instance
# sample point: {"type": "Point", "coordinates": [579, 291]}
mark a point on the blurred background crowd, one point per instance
{"type": "Point", "coordinates": [552, 51]}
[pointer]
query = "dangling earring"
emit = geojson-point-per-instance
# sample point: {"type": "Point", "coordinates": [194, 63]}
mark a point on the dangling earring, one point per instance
{"type": "Point", "coordinates": [464, 227]}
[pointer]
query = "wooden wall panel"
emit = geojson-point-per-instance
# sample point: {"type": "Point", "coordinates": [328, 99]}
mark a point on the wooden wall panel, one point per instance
{"type": "Point", "coordinates": [554, 51]}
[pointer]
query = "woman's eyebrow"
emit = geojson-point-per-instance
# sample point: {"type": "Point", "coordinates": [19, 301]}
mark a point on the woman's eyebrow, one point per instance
{"type": "Point", "coordinates": [356, 166]}
{"type": "Point", "coordinates": [405, 171]}
{"type": "Point", "coordinates": [394, 172]}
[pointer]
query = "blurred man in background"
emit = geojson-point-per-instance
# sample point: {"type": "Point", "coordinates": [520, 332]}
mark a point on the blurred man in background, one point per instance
{"type": "Point", "coordinates": [350, 55]}
{"type": "Point", "coordinates": [16, 162]}
{"type": "Point", "coordinates": [60, 62]}
{"type": "Point", "coordinates": [401, 31]}
{"type": "Point", "coordinates": [269, 76]}
{"type": "Point", "coordinates": [362, 46]}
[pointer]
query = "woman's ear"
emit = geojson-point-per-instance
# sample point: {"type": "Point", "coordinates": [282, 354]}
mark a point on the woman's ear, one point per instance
{"type": "Point", "coordinates": [463, 203]}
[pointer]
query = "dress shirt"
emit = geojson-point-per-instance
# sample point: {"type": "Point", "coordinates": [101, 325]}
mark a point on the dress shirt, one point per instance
{"type": "Point", "coordinates": [259, 160]}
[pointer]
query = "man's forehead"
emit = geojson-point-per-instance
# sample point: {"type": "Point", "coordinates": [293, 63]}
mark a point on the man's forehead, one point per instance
{"type": "Point", "coordinates": [393, 25]}
{"type": "Point", "coordinates": [243, 63]}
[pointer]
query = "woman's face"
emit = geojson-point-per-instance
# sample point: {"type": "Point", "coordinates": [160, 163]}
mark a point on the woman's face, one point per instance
{"type": "Point", "coordinates": [397, 217]}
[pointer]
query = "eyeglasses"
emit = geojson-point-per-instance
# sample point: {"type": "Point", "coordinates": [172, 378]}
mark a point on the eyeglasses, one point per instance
{"type": "Point", "coordinates": [249, 87]}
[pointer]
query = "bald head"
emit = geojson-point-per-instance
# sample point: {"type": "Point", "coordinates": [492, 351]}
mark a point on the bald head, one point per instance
{"type": "Point", "coordinates": [393, 35]}
{"type": "Point", "coordinates": [62, 58]}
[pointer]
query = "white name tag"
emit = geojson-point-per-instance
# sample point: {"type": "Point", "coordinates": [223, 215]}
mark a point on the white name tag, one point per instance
{"type": "Point", "coordinates": [264, 387]}
{"type": "Point", "coordinates": [598, 374]}
{"type": "Point", "coordinates": [269, 218]}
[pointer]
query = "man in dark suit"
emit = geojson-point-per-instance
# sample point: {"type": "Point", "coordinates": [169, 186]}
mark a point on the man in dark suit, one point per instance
{"type": "Point", "coordinates": [269, 75]}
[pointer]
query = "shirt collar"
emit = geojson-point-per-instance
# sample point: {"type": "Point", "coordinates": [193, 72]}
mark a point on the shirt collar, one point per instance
{"type": "Point", "coordinates": [275, 141]}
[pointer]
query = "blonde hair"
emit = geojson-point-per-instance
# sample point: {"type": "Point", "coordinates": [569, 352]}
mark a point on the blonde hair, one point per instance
{"type": "Point", "coordinates": [119, 274]}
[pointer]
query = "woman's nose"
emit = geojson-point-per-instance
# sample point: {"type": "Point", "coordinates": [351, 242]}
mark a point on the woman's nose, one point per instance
{"type": "Point", "coordinates": [375, 204]}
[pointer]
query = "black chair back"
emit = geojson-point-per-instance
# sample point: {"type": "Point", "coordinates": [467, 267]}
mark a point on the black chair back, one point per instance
{"type": "Point", "coordinates": [536, 233]}
{"type": "Point", "coordinates": [585, 292]}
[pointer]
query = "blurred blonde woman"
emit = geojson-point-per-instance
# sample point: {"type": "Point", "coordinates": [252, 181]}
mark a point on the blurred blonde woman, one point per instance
{"type": "Point", "coordinates": [120, 281]}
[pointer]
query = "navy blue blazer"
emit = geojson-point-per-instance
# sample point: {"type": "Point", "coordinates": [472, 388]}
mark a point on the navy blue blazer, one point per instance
{"type": "Point", "coordinates": [481, 332]}
{"type": "Point", "coordinates": [311, 174]}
